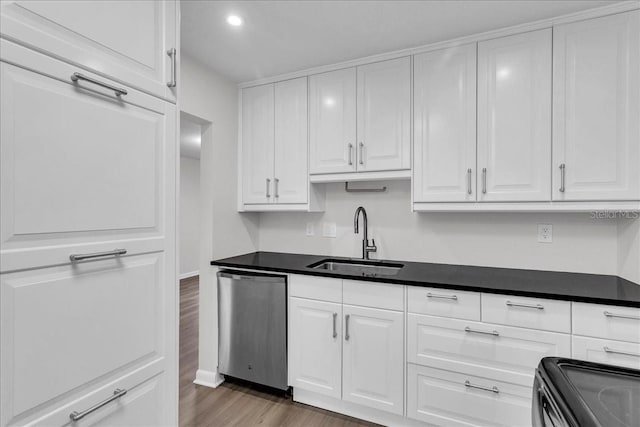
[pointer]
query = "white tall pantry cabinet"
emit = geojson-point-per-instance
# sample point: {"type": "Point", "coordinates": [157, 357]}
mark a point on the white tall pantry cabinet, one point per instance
{"type": "Point", "coordinates": [88, 284]}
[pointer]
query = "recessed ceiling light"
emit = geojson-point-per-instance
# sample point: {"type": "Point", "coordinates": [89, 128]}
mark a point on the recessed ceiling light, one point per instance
{"type": "Point", "coordinates": [234, 20]}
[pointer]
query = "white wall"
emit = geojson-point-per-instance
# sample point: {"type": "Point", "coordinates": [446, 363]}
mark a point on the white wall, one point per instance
{"type": "Point", "coordinates": [212, 101]}
{"type": "Point", "coordinates": [580, 244]}
{"type": "Point", "coordinates": [629, 248]}
{"type": "Point", "coordinates": [189, 216]}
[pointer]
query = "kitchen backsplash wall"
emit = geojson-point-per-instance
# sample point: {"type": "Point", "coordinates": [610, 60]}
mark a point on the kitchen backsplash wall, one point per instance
{"type": "Point", "coordinates": [580, 243]}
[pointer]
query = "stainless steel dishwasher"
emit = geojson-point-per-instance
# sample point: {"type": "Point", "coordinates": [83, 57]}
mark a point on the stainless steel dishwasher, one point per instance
{"type": "Point", "coordinates": [252, 327]}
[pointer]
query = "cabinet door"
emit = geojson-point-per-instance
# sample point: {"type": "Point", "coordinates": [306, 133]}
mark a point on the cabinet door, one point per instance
{"type": "Point", "coordinates": [82, 170]}
{"type": "Point", "coordinates": [257, 144]}
{"type": "Point", "coordinates": [291, 179]}
{"type": "Point", "coordinates": [66, 328]}
{"type": "Point", "coordinates": [373, 358]}
{"type": "Point", "coordinates": [596, 110]}
{"type": "Point", "coordinates": [384, 110]}
{"type": "Point", "coordinates": [514, 118]}
{"type": "Point", "coordinates": [124, 40]}
{"type": "Point", "coordinates": [444, 97]}
{"type": "Point", "coordinates": [315, 346]}
{"type": "Point", "coordinates": [332, 121]}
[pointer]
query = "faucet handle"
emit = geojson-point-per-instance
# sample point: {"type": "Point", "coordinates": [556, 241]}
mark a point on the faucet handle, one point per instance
{"type": "Point", "coordinates": [372, 247]}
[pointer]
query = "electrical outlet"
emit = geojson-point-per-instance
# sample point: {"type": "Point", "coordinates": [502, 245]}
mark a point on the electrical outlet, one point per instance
{"type": "Point", "coordinates": [329, 229]}
{"type": "Point", "coordinates": [311, 229]}
{"type": "Point", "coordinates": [545, 233]}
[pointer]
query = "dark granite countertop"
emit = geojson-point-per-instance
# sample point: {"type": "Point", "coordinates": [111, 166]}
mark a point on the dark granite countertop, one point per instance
{"type": "Point", "coordinates": [594, 288]}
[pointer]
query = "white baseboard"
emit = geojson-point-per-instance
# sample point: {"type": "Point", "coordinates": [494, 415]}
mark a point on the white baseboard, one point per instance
{"type": "Point", "coordinates": [189, 274]}
{"type": "Point", "coordinates": [208, 378]}
{"type": "Point", "coordinates": [353, 410]}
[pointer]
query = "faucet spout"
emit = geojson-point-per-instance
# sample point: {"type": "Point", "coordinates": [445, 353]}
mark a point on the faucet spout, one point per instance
{"type": "Point", "coordinates": [366, 248]}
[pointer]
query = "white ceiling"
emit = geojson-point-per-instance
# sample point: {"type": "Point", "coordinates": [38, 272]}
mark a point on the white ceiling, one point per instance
{"type": "Point", "coordinates": [284, 36]}
{"type": "Point", "coordinates": [190, 136]}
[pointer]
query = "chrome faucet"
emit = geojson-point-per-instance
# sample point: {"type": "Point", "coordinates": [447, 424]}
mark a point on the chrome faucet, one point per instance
{"type": "Point", "coordinates": [366, 249]}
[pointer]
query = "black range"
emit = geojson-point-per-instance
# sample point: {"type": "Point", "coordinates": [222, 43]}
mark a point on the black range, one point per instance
{"type": "Point", "coordinates": [580, 287]}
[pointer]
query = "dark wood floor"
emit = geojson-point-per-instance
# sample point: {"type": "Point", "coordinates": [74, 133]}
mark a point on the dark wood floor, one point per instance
{"type": "Point", "coordinates": [235, 403]}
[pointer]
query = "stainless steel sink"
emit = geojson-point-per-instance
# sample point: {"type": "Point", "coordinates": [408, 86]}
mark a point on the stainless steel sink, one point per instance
{"type": "Point", "coordinates": [358, 268]}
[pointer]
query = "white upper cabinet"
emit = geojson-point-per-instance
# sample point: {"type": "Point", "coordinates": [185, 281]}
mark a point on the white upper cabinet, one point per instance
{"type": "Point", "coordinates": [384, 115]}
{"type": "Point", "coordinates": [332, 121]}
{"type": "Point", "coordinates": [127, 41]}
{"type": "Point", "coordinates": [514, 118]}
{"type": "Point", "coordinates": [291, 172]}
{"type": "Point", "coordinates": [596, 138]}
{"type": "Point", "coordinates": [257, 144]}
{"type": "Point", "coordinates": [444, 96]}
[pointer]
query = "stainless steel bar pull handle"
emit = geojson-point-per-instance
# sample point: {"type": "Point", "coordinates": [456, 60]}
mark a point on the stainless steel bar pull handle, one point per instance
{"type": "Point", "coordinates": [621, 316]}
{"type": "Point", "coordinates": [484, 180]}
{"type": "Point", "coordinates": [117, 393]}
{"type": "Point", "coordinates": [346, 327]}
{"type": "Point", "coordinates": [172, 54]}
{"type": "Point", "coordinates": [452, 297]}
{"type": "Point", "coordinates": [268, 188]}
{"type": "Point", "coordinates": [350, 154]}
{"type": "Point", "coordinates": [518, 304]}
{"type": "Point", "coordinates": [117, 90]}
{"type": "Point", "coordinates": [493, 389]}
{"type": "Point", "coordinates": [335, 319]}
{"type": "Point", "coordinates": [276, 185]}
{"type": "Point", "coordinates": [80, 257]}
{"type": "Point", "coordinates": [562, 177]}
{"type": "Point", "coordinates": [626, 353]}
{"type": "Point", "coordinates": [361, 155]}
{"type": "Point", "coordinates": [476, 331]}
{"type": "Point", "coordinates": [469, 171]}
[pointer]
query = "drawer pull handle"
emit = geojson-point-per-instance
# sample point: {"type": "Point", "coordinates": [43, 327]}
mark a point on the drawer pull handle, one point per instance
{"type": "Point", "coordinates": [493, 389]}
{"type": "Point", "coordinates": [430, 295]}
{"type": "Point", "coordinates": [476, 331]}
{"type": "Point", "coordinates": [79, 76]}
{"type": "Point", "coordinates": [346, 327]}
{"type": "Point", "coordinates": [117, 393]}
{"type": "Point", "coordinates": [626, 353]}
{"type": "Point", "coordinates": [335, 332]}
{"type": "Point", "coordinates": [517, 304]}
{"type": "Point", "coordinates": [80, 257]}
{"type": "Point", "coordinates": [621, 316]}
{"type": "Point", "coordinates": [172, 54]}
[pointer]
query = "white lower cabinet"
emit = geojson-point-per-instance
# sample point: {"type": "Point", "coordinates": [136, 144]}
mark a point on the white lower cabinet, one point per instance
{"type": "Point", "coordinates": [607, 351]}
{"type": "Point", "coordinates": [448, 398]}
{"type": "Point", "coordinates": [350, 353]}
{"type": "Point", "coordinates": [373, 358]}
{"type": "Point", "coordinates": [315, 346]}
{"type": "Point", "coordinates": [501, 352]}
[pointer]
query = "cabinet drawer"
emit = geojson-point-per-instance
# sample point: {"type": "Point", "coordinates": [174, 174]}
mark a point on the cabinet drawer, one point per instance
{"type": "Point", "coordinates": [143, 404]}
{"type": "Point", "coordinates": [66, 328]}
{"type": "Point", "coordinates": [83, 170]}
{"type": "Point", "coordinates": [605, 321]}
{"type": "Point", "coordinates": [606, 351]}
{"type": "Point", "coordinates": [452, 399]}
{"type": "Point", "coordinates": [372, 294]}
{"type": "Point", "coordinates": [535, 313]}
{"type": "Point", "coordinates": [312, 287]}
{"type": "Point", "coordinates": [125, 40]}
{"type": "Point", "coordinates": [444, 302]}
{"type": "Point", "coordinates": [507, 353]}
